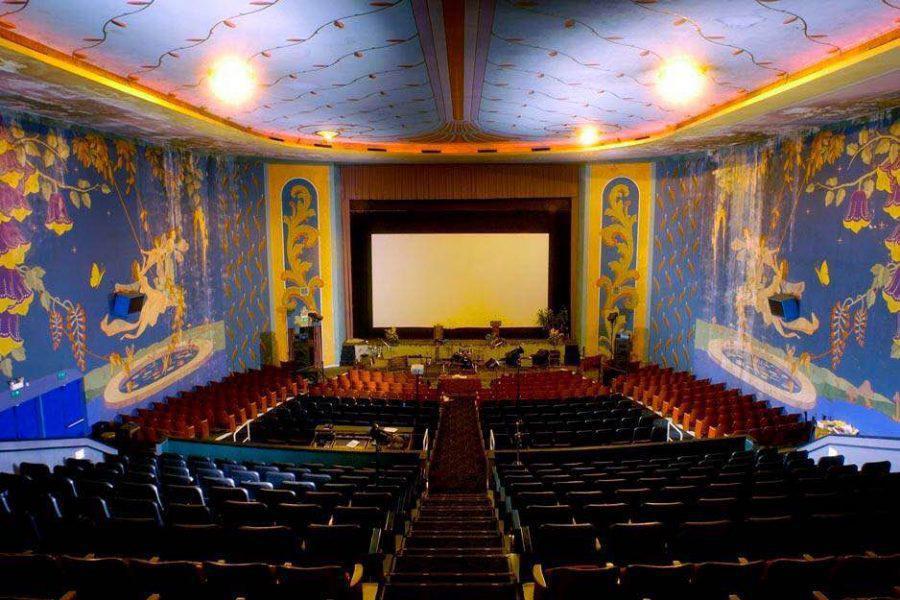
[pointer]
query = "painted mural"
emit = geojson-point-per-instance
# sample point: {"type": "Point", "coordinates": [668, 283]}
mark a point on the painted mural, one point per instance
{"type": "Point", "coordinates": [82, 216]}
{"type": "Point", "coordinates": [816, 217]}
{"type": "Point", "coordinates": [618, 263]}
{"type": "Point", "coordinates": [299, 201]}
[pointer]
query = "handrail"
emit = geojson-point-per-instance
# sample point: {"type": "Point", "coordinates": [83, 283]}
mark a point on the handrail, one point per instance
{"type": "Point", "coordinates": [425, 440]}
{"type": "Point", "coordinates": [492, 441]}
{"type": "Point", "coordinates": [236, 431]}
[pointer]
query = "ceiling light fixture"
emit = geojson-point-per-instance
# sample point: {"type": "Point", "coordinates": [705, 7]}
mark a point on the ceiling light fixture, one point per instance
{"type": "Point", "coordinates": [588, 135]}
{"type": "Point", "coordinates": [232, 80]}
{"type": "Point", "coordinates": [680, 80]}
{"type": "Point", "coordinates": [327, 134]}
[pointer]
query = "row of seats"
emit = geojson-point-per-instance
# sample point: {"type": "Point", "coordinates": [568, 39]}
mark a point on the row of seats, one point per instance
{"type": "Point", "coordinates": [581, 421]}
{"type": "Point", "coordinates": [54, 576]}
{"type": "Point", "coordinates": [758, 504]}
{"type": "Point", "coordinates": [375, 384]}
{"type": "Point", "coordinates": [216, 406]}
{"type": "Point", "coordinates": [295, 422]}
{"type": "Point", "coordinates": [555, 384]}
{"type": "Point", "coordinates": [711, 410]}
{"type": "Point", "coordinates": [214, 509]}
{"type": "Point", "coordinates": [854, 576]}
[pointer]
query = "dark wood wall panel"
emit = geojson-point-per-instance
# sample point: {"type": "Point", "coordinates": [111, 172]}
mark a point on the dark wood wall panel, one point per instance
{"type": "Point", "coordinates": [458, 182]}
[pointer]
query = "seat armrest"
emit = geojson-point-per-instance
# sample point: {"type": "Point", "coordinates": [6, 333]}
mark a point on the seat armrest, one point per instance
{"type": "Point", "coordinates": [540, 583]}
{"type": "Point", "coordinates": [70, 595]}
{"type": "Point", "coordinates": [733, 597]}
{"type": "Point", "coordinates": [356, 577]}
{"type": "Point", "coordinates": [817, 595]}
{"type": "Point", "coordinates": [389, 521]}
{"type": "Point", "coordinates": [375, 541]}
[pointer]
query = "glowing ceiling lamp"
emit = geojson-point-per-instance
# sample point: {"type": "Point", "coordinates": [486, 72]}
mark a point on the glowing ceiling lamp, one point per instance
{"type": "Point", "coordinates": [588, 135]}
{"type": "Point", "coordinates": [680, 80]}
{"type": "Point", "coordinates": [327, 134]}
{"type": "Point", "coordinates": [232, 80]}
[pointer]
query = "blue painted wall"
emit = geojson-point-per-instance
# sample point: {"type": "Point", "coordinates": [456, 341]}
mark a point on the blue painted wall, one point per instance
{"type": "Point", "coordinates": [817, 216]}
{"type": "Point", "coordinates": [82, 215]}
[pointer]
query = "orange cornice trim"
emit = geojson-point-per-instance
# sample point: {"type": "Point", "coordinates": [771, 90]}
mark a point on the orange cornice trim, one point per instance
{"type": "Point", "coordinates": [26, 47]}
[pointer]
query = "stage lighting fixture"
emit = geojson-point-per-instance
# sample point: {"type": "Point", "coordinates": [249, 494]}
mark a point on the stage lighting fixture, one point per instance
{"type": "Point", "coordinates": [232, 80]}
{"type": "Point", "coordinates": [588, 135]}
{"type": "Point", "coordinates": [680, 80]}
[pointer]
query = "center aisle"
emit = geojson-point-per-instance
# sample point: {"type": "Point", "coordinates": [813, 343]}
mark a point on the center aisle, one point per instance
{"type": "Point", "coordinates": [454, 547]}
{"type": "Point", "coordinates": [458, 463]}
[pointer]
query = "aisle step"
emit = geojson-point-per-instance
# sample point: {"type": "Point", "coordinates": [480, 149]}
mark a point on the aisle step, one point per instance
{"type": "Point", "coordinates": [450, 591]}
{"type": "Point", "coordinates": [454, 541]}
{"type": "Point", "coordinates": [451, 563]}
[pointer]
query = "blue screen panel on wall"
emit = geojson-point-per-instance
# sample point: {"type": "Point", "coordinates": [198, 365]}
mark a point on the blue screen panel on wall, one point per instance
{"type": "Point", "coordinates": [64, 411]}
{"type": "Point", "coordinates": [28, 420]}
{"type": "Point", "coordinates": [7, 425]}
{"type": "Point", "coordinates": [45, 410]}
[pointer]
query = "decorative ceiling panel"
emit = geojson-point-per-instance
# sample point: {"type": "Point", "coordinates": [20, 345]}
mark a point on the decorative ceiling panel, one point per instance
{"type": "Point", "coordinates": [450, 75]}
{"type": "Point", "coordinates": [556, 65]}
{"type": "Point", "coordinates": [346, 65]}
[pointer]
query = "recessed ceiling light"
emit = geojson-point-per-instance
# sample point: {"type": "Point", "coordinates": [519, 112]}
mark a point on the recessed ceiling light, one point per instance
{"type": "Point", "coordinates": [680, 80]}
{"type": "Point", "coordinates": [327, 134]}
{"type": "Point", "coordinates": [588, 135]}
{"type": "Point", "coordinates": [232, 80]}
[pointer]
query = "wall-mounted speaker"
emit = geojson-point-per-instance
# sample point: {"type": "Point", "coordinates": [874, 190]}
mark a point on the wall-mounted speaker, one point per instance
{"type": "Point", "coordinates": [785, 306]}
{"type": "Point", "coordinates": [125, 304]}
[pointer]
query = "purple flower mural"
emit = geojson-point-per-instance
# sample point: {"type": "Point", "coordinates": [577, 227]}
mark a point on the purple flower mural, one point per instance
{"type": "Point", "coordinates": [893, 243]}
{"type": "Point", "coordinates": [15, 296]}
{"type": "Point", "coordinates": [891, 293]}
{"type": "Point", "coordinates": [10, 335]}
{"type": "Point", "coordinates": [58, 220]}
{"type": "Point", "coordinates": [859, 214]}
{"type": "Point", "coordinates": [13, 245]}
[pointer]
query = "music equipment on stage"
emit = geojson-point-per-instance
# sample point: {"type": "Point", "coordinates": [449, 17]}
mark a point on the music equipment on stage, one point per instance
{"type": "Point", "coordinates": [462, 360]}
{"type": "Point", "coordinates": [572, 357]}
{"type": "Point", "coordinates": [541, 358]}
{"type": "Point", "coordinates": [362, 438]}
{"type": "Point", "coordinates": [514, 356]}
{"type": "Point", "coordinates": [491, 364]}
{"type": "Point", "coordinates": [305, 347]}
{"type": "Point", "coordinates": [124, 304]}
{"type": "Point", "coordinates": [786, 306]}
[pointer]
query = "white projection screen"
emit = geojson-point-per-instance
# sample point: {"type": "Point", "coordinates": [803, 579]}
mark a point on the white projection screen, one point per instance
{"type": "Point", "coordinates": [459, 279]}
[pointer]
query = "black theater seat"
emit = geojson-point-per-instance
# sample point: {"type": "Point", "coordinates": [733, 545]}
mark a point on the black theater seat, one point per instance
{"type": "Point", "coordinates": [168, 580]}
{"type": "Point", "coordinates": [251, 581]}
{"type": "Point", "coordinates": [657, 582]}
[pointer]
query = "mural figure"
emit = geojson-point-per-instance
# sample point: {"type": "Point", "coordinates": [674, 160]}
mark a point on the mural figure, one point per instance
{"type": "Point", "coordinates": [765, 277]}
{"type": "Point", "coordinates": [160, 290]}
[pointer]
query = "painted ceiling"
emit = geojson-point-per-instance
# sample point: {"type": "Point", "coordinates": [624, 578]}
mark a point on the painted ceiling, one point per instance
{"type": "Point", "coordinates": [431, 73]}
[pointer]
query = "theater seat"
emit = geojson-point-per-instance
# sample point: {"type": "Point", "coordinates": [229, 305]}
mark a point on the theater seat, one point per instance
{"type": "Point", "coordinates": [175, 580]}
{"type": "Point", "coordinates": [571, 544]}
{"type": "Point", "coordinates": [317, 583]}
{"type": "Point", "coordinates": [30, 576]}
{"type": "Point", "coordinates": [578, 581]}
{"type": "Point", "coordinates": [719, 580]}
{"type": "Point", "coordinates": [99, 578]}
{"type": "Point", "coordinates": [790, 579]}
{"type": "Point", "coordinates": [652, 582]}
{"type": "Point", "coordinates": [252, 581]}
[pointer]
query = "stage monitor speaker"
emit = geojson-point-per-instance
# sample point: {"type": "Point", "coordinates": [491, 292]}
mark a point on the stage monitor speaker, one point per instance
{"type": "Point", "coordinates": [125, 304]}
{"type": "Point", "coordinates": [541, 358]}
{"type": "Point", "coordinates": [785, 306]}
{"type": "Point", "coordinates": [572, 357]}
{"type": "Point", "coordinates": [513, 357]}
